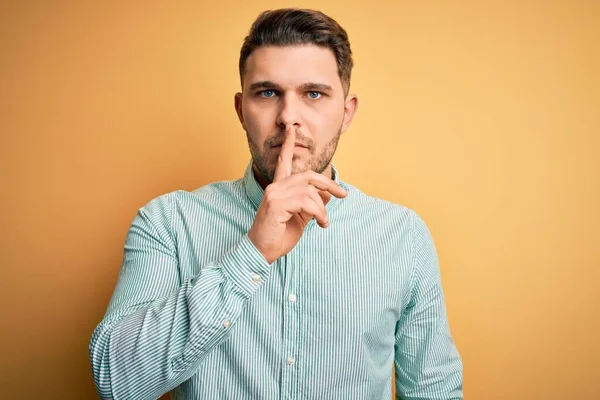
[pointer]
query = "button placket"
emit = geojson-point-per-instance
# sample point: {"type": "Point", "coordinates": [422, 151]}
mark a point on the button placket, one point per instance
{"type": "Point", "coordinates": [290, 331]}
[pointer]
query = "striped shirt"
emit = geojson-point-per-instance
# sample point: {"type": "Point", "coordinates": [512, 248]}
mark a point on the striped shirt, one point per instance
{"type": "Point", "coordinates": [198, 311]}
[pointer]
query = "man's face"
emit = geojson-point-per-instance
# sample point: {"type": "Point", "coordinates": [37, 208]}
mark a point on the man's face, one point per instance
{"type": "Point", "coordinates": [299, 86]}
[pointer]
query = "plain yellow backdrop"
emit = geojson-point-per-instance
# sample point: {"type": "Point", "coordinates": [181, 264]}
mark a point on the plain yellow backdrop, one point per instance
{"type": "Point", "coordinates": [481, 116]}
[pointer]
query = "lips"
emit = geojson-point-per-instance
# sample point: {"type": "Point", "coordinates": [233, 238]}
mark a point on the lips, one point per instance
{"type": "Point", "coordinates": [295, 144]}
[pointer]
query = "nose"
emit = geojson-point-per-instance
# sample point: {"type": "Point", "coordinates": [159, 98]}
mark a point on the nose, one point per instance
{"type": "Point", "coordinates": [289, 113]}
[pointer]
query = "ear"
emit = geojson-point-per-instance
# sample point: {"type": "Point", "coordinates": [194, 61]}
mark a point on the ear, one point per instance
{"type": "Point", "coordinates": [237, 101]}
{"type": "Point", "coordinates": [350, 106]}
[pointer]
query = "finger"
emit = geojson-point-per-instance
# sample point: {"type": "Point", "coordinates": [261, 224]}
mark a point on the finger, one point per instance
{"type": "Point", "coordinates": [308, 209]}
{"type": "Point", "coordinates": [322, 218]}
{"type": "Point", "coordinates": [325, 196]}
{"type": "Point", "coordinates": [294, 197]}
{"type": "Point", "coordinates": [286, 154]}
{"type": "Point", "coordinates": [319, 181]}
{"type": "Point", "coordinates": [306, 213]}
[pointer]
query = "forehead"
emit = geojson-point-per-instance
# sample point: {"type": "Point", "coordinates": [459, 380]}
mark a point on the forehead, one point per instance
{"type": "Point", "coordinates": [292, 66]}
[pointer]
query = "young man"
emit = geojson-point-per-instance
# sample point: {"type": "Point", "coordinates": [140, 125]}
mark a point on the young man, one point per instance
{"type": "Point", "coordinates": [288, 283]}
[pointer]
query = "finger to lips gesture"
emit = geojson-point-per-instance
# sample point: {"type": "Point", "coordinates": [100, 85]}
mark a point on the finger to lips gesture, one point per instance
{"type": "Point", "coordinates": [289, 203]}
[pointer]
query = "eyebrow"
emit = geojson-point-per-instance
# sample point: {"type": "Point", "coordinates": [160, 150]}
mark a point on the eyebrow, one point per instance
{"type": "Point", "coordinates": [305, 86]}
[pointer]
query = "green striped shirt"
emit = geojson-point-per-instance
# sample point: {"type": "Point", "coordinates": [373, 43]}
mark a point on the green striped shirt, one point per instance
{"type": "Point", "coordinates": [199, 312]}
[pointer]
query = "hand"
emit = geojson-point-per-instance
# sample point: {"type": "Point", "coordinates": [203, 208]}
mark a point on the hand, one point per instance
{"type": "Point", "coordinates": [289, 203]}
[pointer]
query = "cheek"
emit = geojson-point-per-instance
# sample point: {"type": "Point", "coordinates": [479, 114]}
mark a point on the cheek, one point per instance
{"type": "Point", "coordinates": [259, 120]}
{"type": "Point", "coordinates": [328, 118]}
{"type": "Point", "coordinates": [258, 123]}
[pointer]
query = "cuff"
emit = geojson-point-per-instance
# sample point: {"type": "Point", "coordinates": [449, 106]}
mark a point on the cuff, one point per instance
{"type": "Point", "coordinates": [245, 266]}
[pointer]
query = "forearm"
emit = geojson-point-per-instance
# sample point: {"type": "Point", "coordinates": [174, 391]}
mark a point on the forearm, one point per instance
{"type": "Point", "coordinates": [146, 350]}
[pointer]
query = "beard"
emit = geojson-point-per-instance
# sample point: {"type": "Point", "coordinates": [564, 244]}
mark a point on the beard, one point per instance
{"type": "Point", "coordinates": [265, 159]}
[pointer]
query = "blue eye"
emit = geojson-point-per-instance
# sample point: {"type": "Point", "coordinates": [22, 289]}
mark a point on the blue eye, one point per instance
{"type": "Point", "coordinates": [267, 93]}
{"type": "Point", "coordinates": [314, 95]}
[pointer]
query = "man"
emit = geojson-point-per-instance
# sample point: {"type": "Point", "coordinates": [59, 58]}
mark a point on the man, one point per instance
{"type": "Point", "coordinates": [288, 283]}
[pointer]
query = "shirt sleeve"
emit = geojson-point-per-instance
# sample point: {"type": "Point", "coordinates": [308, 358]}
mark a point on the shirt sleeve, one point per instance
{"type": "Point", "coordinates": [428, 365]}
{"type": "Point", "coordinates": [157, 329]}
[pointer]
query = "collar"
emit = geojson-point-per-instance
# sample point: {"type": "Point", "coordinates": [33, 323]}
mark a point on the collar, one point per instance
{"type": "Point", "coordinates": [255, 192]}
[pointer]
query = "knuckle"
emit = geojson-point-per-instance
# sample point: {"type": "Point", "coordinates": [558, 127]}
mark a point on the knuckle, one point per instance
{"type": "Point", "coordinates": [309, 173]}
{"type": "Point", "coordinates": [269, 192]}
{"type": "Point", "coordinates": [308, 207]}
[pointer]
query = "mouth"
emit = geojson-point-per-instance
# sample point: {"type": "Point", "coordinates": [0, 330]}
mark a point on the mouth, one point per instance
{"type": "Point", "coordinates": [295, 145]}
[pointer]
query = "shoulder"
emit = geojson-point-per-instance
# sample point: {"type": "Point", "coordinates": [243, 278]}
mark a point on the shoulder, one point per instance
{"type": "Point", "coordinates": [389, 220]}
{"type": "Point", "coordinates": [221, 189]}
{"type": "Point", "coordinates": [379, 209]}
{"type": "Point", "coordinates": [167, 204]}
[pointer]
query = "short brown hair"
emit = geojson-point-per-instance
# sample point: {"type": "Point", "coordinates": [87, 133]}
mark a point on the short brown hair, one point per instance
{"type": "Point", "coordinates": [292, 26]}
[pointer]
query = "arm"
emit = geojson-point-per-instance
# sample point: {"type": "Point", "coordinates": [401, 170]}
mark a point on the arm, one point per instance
{"type": "Point", "coordinates": [157, 330]}
{"type": "Point", "coordinates": [427, 362]}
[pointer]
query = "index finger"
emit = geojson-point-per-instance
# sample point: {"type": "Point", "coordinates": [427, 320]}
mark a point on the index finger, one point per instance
{"type": "Point", "coordinates": [284, 161]}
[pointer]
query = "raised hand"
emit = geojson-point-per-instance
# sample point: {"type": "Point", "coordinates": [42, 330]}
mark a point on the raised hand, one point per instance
{"type": "Point", "coordinates": [289, 203]}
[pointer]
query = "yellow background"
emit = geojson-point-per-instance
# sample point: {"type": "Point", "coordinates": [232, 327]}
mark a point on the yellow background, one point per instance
{"type": "Point", "coordinates": [482, 116]}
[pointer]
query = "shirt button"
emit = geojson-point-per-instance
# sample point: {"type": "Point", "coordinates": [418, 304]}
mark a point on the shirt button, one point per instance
{"type": "Point", "coordinates": [290, 360]}
{"type": "Point", "coordinates": [292, 297]}
{"type": "Point", "coordinates": [226, 323]}
{"type": "Point", "coordinates": [256, 278]}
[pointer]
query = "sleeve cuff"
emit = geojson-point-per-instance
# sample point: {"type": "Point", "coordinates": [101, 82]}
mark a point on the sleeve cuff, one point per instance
{"type": "Point", "coordinates": [245, 266]}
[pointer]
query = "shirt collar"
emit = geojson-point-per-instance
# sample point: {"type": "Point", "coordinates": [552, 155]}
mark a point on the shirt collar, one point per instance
{"type": "Point", "coordinates": [255, 192]}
